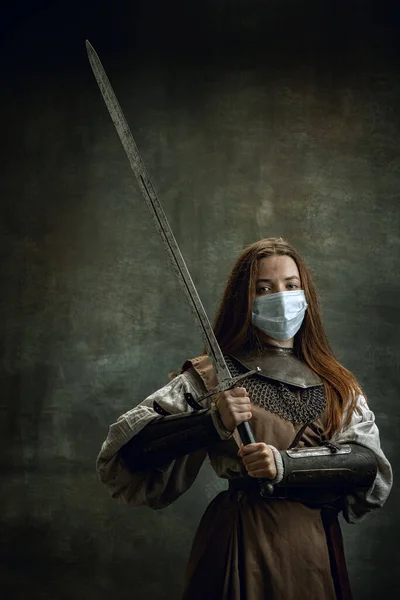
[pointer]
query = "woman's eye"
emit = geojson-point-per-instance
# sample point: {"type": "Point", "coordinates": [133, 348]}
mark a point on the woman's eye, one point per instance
{"type": "Point", "coordinates": [263, 289]}
{"type": "Point", "coordinates": [293, 286]}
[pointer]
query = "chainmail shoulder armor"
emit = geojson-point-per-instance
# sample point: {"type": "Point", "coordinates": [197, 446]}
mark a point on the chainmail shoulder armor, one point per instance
{"type": "Point", "coordinates": [281, 399]}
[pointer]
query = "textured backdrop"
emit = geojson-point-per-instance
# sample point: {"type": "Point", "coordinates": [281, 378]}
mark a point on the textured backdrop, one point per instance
{"type": "Point", "coordinates": [255, 119]}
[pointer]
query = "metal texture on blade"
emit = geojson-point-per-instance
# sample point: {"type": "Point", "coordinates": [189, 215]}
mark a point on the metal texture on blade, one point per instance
{"type": "Point", "coordinates": [160, 219]}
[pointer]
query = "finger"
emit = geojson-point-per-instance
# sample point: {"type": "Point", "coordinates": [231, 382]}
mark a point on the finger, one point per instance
{"type": "Point", "coordinates": [242, 416]}
{"type": "Point", "coordinates": [237, 399]}
{"type": "Point", "coordinates": [257, 465]}
{"type": "Point", "coordinates": [238, 402]}
{"type": "Point", "coordinates": [241, 408]}
{"type": "Point", "coordinates": [251, 448]}
{"type": "Point", "coordinates": [251, 459]}
{"type": "Point", "coordinates": [263, 473]}
{"type": "Point", "coordinates": [261, 452]}
{"type": "Point", "coordinates": [240, 391]}
{"type": "Point", "coordinates": [257, 457]}
{"type": "Point", "coordinates": [239, 453]}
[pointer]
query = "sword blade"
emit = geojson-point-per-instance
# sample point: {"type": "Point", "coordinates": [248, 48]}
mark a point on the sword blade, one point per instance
{"type": "Point", "coordinates": [158, 214]}
{"type": "Point", "coordinates": [160, 220]}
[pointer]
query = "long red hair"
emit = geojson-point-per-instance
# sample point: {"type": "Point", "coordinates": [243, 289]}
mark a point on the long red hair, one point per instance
{"type": "Point", "coordinates": [233, 328]}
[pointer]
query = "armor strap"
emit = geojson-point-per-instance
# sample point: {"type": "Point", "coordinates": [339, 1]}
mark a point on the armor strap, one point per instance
{"type": "Point", "coordinates": [166, 438]}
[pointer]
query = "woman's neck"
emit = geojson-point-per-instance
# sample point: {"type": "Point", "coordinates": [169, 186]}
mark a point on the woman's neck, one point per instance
{"type": "Point", "coordinates": [279, 343]}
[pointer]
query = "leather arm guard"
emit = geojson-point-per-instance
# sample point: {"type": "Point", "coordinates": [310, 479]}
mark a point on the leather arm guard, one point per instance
{"type": "Point", "coordinates": [325, 472]}
{"type": "Point", "coordinates": [167, 438]}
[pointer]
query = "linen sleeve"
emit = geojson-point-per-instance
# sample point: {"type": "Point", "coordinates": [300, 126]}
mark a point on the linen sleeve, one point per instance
{"type": "Point", "coordinates": [158, 487]}
{"type": "Point", "coordinates": [363, 430]}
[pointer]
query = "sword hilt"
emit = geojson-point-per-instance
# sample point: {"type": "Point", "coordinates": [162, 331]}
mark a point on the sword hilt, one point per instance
{"type": "Point", "coordinates": [244, 429]}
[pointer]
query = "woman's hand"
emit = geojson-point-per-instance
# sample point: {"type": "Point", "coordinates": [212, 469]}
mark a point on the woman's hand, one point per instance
{"type": "Point", "coordinates": [259, 460]}
{"type": "Point", "coordinates": [234, 407]}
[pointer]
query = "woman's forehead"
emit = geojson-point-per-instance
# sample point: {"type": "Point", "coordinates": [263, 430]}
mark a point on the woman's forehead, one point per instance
{"type": "Point", "coordinates": [277, 266]}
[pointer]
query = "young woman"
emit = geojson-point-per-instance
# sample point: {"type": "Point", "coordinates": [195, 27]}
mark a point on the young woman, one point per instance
{"type": "Point", "coordinates": [317, 443]}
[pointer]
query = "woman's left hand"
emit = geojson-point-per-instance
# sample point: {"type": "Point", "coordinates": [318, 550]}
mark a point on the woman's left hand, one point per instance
{"type": "Point", "coordinates": [259, 460]}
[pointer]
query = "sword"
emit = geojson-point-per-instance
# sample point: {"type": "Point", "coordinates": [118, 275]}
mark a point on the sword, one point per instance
{"type": "Point", "coordinates": [225, 379]}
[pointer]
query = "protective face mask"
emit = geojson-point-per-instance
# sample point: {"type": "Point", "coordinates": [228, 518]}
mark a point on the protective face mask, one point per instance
{"type": "Point", "coordinates": [279, 315]}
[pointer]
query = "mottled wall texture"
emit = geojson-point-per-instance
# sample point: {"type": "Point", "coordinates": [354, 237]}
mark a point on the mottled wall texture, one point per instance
{"type": "Point", "coordinates": [255, 118]}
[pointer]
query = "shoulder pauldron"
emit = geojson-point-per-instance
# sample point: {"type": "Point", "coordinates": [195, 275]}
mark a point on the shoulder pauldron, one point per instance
{"type": "Point", "coordinates": [279, 364]}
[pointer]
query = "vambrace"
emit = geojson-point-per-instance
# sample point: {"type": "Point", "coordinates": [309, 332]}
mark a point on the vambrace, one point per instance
{"type": "Point", "coordinates": [325, 473]}
{"type": "Point", "coordinates": [169, 437]}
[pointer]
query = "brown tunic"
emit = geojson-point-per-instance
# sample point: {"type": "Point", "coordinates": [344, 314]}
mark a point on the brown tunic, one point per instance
{"type": "Point", "coordinates": [246, 547]}
{"type": "Point", "coordinates": [251, 548]}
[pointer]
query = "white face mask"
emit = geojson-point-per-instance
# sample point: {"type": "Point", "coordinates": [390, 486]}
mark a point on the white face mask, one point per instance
{"type": "Point", "coordinates": [279, 315]}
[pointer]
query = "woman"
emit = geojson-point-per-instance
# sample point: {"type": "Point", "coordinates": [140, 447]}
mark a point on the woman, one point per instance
{"type": "Point", "coordinates": [317, 443]}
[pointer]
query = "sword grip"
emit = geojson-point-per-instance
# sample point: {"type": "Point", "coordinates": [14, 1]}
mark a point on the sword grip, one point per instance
{"type": "Point", "coordinates": [246, 433]}
{"type": "Point", "coordinates": [247, 437]}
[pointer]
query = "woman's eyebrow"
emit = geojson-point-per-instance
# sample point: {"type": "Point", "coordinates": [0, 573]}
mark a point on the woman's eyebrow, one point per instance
{"type": "Point", "coordinates": [270, 280]}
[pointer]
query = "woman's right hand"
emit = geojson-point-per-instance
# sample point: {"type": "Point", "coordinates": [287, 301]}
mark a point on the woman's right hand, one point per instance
{"type": "Point", "coordinates": [234, 407]}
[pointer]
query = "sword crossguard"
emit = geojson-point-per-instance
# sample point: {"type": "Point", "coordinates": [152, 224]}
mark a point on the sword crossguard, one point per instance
{"type": "Point", "coordinates": [226, 384]}
{"type": "Point", "coordinates": [229, 383]}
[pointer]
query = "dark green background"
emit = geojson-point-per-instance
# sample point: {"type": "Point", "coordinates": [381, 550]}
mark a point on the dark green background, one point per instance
{"type": "Point", "coordinates": [255, 118]}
